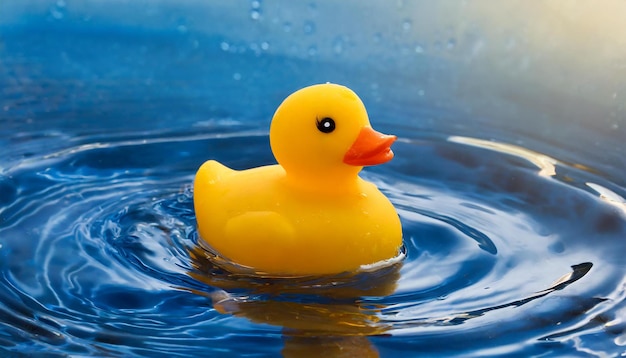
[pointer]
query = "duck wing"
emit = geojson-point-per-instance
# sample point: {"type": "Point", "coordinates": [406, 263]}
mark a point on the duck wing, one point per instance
{"type": "Point", "coordinates": [260, 239]}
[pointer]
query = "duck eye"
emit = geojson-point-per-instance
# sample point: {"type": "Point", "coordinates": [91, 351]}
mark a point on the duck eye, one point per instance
{"type": "Point", "coordinates": [326, 125]}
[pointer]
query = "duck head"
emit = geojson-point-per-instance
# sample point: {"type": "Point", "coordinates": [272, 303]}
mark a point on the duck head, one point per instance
{"type": "Point", "coordinates": [322, 133]}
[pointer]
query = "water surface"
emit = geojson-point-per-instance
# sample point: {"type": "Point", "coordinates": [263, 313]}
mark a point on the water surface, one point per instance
{"type": "Point", "coordinates": [514, 244]}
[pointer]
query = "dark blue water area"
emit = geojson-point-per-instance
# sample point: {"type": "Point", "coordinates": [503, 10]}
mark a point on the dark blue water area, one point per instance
{"type": "Point", "coordinates": [515, 243]}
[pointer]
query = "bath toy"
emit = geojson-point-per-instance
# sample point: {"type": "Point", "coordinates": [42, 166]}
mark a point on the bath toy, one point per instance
{"type": "Point", "coordinates": [311, 213]}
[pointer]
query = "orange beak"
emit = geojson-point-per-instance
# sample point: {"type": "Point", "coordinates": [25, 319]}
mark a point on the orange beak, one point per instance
{"type": "Point", "coordinates": [370, 148]}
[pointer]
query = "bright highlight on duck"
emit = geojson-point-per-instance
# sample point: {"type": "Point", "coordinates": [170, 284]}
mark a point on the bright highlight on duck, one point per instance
{"type": "Point", "coordinates": [311, 213]}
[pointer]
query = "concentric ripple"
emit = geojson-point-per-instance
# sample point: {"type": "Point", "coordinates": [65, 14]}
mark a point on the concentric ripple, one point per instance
{"type": "Point", "coordinates": [99, 257]}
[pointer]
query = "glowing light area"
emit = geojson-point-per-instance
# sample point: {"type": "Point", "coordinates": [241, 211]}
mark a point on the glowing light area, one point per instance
{"type": "Point", "coordinates": [547, 165]}
{"type": "Point", "coordinates": [609, 196]}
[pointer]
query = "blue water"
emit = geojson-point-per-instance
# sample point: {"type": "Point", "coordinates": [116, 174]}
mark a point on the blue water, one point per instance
{"type": "Point", "coordinates": [515, 244]}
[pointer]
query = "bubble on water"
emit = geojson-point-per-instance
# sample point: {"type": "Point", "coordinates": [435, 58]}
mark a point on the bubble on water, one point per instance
{"type": "Point", "coordinates": [421, 92]}
{"type": "Point", "coordinates": [60, 3]}
{"type": "Point", "coordinates": [255, 4]}
{"type": "Point", "coordinates": [181, 29]}
{"type": "Point", "coordinates": [255, 14]}
{"type": "Point", "coordinates": [377, 37]}
{"type": "Point", "coordinates": [225, 46]}
{"type": "Point", "coordinates": [265, 45]}
{"type": "Point", "coordinates": [419, 49]}
{"type": "Point", "coordinates": [309, 27]}
{"type": "Point", "coordinates": [615, 126]}
{"type": "Point", "coordinates": [312, 51]}
{"type": "Point", "coordinates": [287, 26]}
{"type": "Point", "coordinates": [237, 76]}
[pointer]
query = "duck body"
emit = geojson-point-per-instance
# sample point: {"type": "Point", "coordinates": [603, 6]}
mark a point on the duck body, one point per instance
{"type": "Point", "coordinates": [311, 213]}
{"type": "Point", "coordinates": [277, 227]}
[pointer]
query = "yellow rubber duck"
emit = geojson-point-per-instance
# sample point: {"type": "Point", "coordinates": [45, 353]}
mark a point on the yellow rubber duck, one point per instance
{"type": "Point", "coordinates": [311, 213]}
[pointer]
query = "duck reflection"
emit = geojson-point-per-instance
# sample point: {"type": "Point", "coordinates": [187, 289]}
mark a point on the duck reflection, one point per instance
{"type": "Point", "coordinates": [320, 315]}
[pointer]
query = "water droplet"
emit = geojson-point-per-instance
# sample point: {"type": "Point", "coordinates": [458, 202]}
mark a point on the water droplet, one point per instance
{"type": "Point", "coordinates": [451, 43]}
{"type": "Point", "coordinates": [224, 46]}
{"type": "Point", "coordinates": [287, 27]}
{"type": "Point", "coordinates": [56, 13]}
{"type": "Point", "coordinates": [614, 95]}
{"type": "Point", "coordinates": [421, 92]}
{"type": "Point", "coordinates": [338, 45]}
{"type": "Point", "coordinates": [265, 45]}
{"type": "Point", "coordinates": [237, 76]}
{"type": "Point", "coordinates": [309, 27]}
{"type": "Point", "coordinates": [61, 3]}
{"type": "Point", "coordinates": [477, 47]}
{"type": "Point", "coordinates": [406, 25]}
{"type": "Point", "coordinates": [377, 37]}
{"type": "Point", "coordinates": [615, 126]}
{"type": "Point", "coordinates": [419, 49]}
{"type": "Point", "coordinates": [255, 12]}
{"type": "Point", "coordinates": [312, 51]}
{"type": "Point", "coordinates": [181, 29]}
